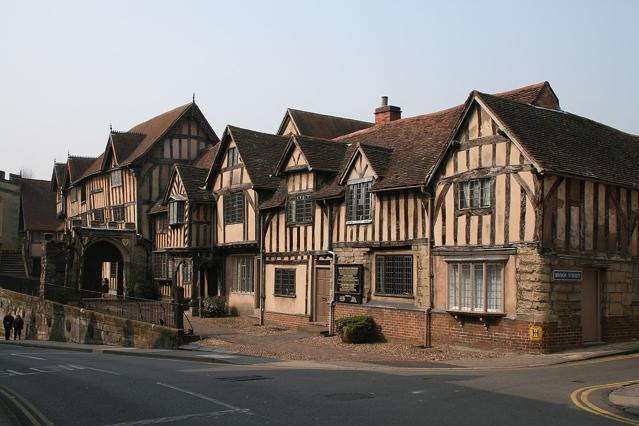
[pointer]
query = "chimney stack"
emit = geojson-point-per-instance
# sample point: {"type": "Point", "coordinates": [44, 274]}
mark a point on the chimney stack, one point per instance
{"type": "Point", "coordinates": [387, 113]}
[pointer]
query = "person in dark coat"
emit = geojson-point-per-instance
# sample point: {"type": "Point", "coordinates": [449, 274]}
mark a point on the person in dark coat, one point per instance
{"type": "Point", "coordinates": [8, 325]}
{"type": "Point", "coordinates": [18, 323]}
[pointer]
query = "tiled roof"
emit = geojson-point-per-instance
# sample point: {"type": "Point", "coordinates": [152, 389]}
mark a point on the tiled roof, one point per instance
{"type": "Point", "coordinates": [322, 154]}
{"type": "Point", "coordinates": [205, 159]}
{"type": "Point", "coordinates": [323, 126]}
{"type": "Point", "coordinates": [77, 166]}
{"type": "Point", "coordinates": [59, 169]}
{"type": "Point", "coordinates": [564, 143]}
{"type": "Point", "coordinates": [259, 152]}
{"type": "Point", "coordinates": [277, 199]}
{"type": "Point", "coordinates": [124, 144]}
{"type": "Point", "coordinates": [38, 206]}
{"type": "Point", "coordinates": [193, 181]}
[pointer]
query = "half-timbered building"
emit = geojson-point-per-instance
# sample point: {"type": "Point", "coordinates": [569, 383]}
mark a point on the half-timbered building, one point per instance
{"type": "Point", "coordinates": [105, 200]}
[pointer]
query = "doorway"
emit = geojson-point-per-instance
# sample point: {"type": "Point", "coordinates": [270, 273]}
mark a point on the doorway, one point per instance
{"type": "Point", "coordinates": [590, 307]}
{"type": "Point", "coordinates": [322, 294]}
{"type": "Point", "coordinates": [95, 257]}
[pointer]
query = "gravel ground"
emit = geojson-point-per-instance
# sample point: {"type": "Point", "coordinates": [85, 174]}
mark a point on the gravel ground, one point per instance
{"type": "Point", "coordinates": [241, 334]}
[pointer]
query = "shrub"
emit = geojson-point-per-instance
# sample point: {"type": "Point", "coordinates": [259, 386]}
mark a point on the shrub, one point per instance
{"type": "Point", "coordinates": [356, 329]}
{"type": "Point", "coordinates": [213, 306]}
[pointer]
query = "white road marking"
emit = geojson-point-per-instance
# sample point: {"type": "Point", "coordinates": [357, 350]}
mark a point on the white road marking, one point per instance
{"type": "Point", "coordinates": [418, 392]}
{"type": "Point", "coordinates": [29, 356]}
{"type": "Point", "coordinates": [206, 398]}
{"type": "Point", "coordinates": [104, 371]}
{"type": "Point", "coordinates": [177, 418]}
{"type": "Point", "coordinates": [53, 369]}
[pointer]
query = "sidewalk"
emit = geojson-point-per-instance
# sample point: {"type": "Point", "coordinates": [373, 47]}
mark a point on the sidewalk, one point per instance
{"type": "Point", "coordinates": [199, 353]}
{"type": "Point", "coordinates": [626, 397]}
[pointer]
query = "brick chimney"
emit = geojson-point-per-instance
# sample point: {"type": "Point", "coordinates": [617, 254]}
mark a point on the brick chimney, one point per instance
{"type": "Point", "coordinates": [387, 113]}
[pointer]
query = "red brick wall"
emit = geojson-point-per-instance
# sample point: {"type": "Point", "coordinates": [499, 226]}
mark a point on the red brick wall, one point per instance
{"type": "Point", "coordinates": [286, 320]}
{"type": "Point", "coordinates": [618, 328]}
{"type": "Point", "coordinates": [394, 324]}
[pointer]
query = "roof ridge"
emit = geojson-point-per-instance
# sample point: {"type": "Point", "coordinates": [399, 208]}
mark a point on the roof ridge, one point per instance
{"type": "Point", "coordinates": [563, 112]}
{"type": "Point", "coordinates": [328, 115]}
{"type": "Point", "coordinates": [321, 140]}
{"type": "Point", "coordinates": [159, 115]}
{"type": "Point", "coordinates": [530, 86]}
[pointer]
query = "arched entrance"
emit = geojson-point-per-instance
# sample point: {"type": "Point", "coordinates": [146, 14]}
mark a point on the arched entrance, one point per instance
{"type": "Point", "coordinates": [103, 260]}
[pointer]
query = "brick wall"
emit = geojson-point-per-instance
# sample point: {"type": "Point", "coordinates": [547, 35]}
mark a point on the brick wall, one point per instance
{"type": "Point", "coordinates": [286, 320]}
{"type": "Point", "coordinates": [394, 324]}
{"type": "Point", "coordinates": [618, 328]}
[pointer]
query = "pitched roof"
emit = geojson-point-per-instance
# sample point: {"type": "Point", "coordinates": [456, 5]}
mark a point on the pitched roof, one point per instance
{"type": "Point", "coordinates": [278, 198]}
{"type": "Point", "coordinates": [38, 206]}
{"type": "Point", "coordinates": [259, 152]}
{"type": "Point", "coordinates": [321, 154]}
{"type": "Point", "coordinates": [564, 143]}
{"type": "Point", "coordinates": [193, 180]}
{"type": "Point", "coordinates": [205, 159]}
{"type": "Point", "coordinates": [321, 125]}
{"type": "Point", "coordinates": [77, 166]}
{"type": "Point", "coordinates": [59, 169]}
{"type": "Point", "coordinates": [124, 144]}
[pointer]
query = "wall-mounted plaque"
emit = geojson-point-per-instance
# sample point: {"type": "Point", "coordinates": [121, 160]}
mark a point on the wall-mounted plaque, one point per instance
{"type": "Point", "coordinates": [559, 275]}
{"type": "Point", "coordinates": [348, 283]}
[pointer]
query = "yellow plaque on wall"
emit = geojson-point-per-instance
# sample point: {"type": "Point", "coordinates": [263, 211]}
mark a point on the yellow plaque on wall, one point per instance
{"type": "Point", "coordinates": [536, 333]}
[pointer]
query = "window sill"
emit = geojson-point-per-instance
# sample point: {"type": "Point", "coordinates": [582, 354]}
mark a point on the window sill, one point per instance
{"type": "Point", "coordinates": [474, 211]}
{"type": "Point", "coordinates": [243, 293]}
{"type": "Point", "coordinates": [475, 313]}
{"type": "Point", "coordinates": [397, 296]}
{"type": "Point", "coordinates": [289, 296]}
{"type": "Point", "coordinates": [297, 224]}
{"type": "Point", "coordinates": [359, 222]}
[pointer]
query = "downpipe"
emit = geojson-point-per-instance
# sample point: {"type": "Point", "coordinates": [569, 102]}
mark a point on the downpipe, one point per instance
{"type": "Point", "coordinates": [331, 311]}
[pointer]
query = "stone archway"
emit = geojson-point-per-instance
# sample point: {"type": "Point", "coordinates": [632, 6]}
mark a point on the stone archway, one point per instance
{"type": "Point", "coordinates": [103, 259]}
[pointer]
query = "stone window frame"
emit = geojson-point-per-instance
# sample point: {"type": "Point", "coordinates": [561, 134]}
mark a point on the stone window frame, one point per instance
{"type": "Point", "coordinates": [473, 262]}
{"type": "Point", "coordinates": [413, 273]}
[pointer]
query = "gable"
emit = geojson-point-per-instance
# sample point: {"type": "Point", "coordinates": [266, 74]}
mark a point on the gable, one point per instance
{"type": "Point", "coordinates": [288, 127]}
{"type": "Point", "coordinates": [359, 168]}
{"type": "Point", "coordinates": [296, 160]}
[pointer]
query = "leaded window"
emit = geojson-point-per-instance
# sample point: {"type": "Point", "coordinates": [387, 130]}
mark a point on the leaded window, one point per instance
{"type": "Point", "coordinates": [118, 214]}
{"type": "Point", "coordinates": [160, 266]}
{"type": "Point", "coordinates": [176, 212]}
{"type": "Point", "coordinates": [98, 215]}
{"type": "Point", "coordinates": [359, 205]}
{"type": "Point", "coordinates": [233, 158]}
{"type": "Point", "coordinates": [394, 275]}
{"type": "Point", "coordinates": [242, 277]}
{"type": "Point", "coordinates": [234, 207]}
{"type": "Point", "coordinates": [474, 193]}
{"type": "Point", "coordinates": [299, 209]}
{"type": "Point", "coordinates": [116, 178]}
{"type": "Point", "coordinates": [284, 282]}
{"type": "Point", "coordinates": [475, 287]}
{"type": "Point", "coordinates": [187, 271]}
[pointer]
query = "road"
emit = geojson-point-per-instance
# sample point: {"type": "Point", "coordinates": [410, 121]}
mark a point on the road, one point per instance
{"type": "Point", "coordinates": [76, 388]}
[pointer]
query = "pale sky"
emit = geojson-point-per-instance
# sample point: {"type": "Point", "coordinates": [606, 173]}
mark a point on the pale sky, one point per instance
{"type": "Point", "coordinates": [68, 69]}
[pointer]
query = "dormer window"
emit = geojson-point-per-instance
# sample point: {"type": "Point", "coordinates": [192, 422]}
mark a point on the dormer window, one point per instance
{"type": "Point", "coordinates": [359, 203]}
{"type": "Point", "coordinates": [233, 158]}
{"type": "Point", "coordinates": [299, 209]}
{"type": "Point", "coordinates": [176, 212]}
{"type": "Point", "coordinates": [116, 178]}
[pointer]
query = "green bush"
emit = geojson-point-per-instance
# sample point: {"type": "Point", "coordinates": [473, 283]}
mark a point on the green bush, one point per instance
{"type": "Point", "coordinates": [213, 306]}
{"type": "Point", "coordinates": [356, 329]}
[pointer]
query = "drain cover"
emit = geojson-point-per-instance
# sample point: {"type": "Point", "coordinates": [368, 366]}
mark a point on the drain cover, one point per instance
{"type": "Point", "coordinates": [349, 396]}
{"type": "Point", "coordinates": [242, 378]}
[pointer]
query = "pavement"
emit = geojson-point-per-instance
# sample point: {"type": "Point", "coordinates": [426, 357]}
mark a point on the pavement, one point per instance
{"type": "Point", "coordinates": [626, 398]}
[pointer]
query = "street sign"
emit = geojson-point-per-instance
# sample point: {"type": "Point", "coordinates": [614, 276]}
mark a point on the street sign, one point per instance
{"type": "Point", "coordinates": [561, 275]}
{"type": "Point", "coordinates": [536, 333]}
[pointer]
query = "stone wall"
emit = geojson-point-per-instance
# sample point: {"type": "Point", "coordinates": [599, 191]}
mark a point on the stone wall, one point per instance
{"type": "Point", "coordinates": [46, 320]}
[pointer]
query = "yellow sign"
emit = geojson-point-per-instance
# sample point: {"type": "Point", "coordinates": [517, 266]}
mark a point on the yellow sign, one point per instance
{"type": "Point", "coordinates": [536, 333]}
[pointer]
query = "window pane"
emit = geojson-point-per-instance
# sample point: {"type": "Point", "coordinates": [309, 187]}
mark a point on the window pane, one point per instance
{"type": "Point", "coordinates": [485, 190]}
{"type": "Point", "coordinates": [474, 193]}
{"type": "Point", "coordinates": [494, 287]}
{"type": "Point", "coordinates": [478, 284]}
{"type": "Point", "coordinates": [394, 275]}
{"type": "Point", "coordinates": [465, 289]}
{"type": "Point", "coordinates": [452, 286]}
{"type": "Point", "coordinates": [358, 199]}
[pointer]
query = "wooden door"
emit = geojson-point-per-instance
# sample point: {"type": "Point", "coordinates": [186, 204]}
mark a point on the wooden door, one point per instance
{"type": "Point", "coordinates": [590, 307]}
{"type": "Point", "coordinates": [322, 294]}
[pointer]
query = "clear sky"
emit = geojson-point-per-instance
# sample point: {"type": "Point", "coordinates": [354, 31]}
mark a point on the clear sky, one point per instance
{"type": "Point", "coordinates": [68, 69]}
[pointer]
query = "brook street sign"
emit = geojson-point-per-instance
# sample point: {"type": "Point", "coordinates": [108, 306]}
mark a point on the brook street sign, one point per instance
{"type": "Point", "coordinates": [559, 275]}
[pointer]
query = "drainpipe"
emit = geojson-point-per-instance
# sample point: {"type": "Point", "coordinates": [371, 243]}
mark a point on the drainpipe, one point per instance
{"type": "Point", "coordinates": [262, 269]}
{"type": "Point", "coordinates": [331, 311]}
{"type": "Point", "coordinates": [431, 276]}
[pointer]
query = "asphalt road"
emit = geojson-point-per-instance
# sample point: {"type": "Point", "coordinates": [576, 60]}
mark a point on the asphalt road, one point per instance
{"type": "Point", "coordinates": [75, 388]}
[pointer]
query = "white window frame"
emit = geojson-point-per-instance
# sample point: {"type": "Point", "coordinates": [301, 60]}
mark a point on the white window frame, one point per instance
{"type": "Point", "coordinates": [465, 299]}
{"type": "Point", "coordinates": [353, 198]}
{"type": "Point", "coordinates": [176, 212]}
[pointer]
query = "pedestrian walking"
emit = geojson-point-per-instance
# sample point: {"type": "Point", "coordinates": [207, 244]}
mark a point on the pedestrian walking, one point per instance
{"type": "Point", "coordinates": [18, 323]}
{"type": "Point", "coordinates": [8, 325]}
